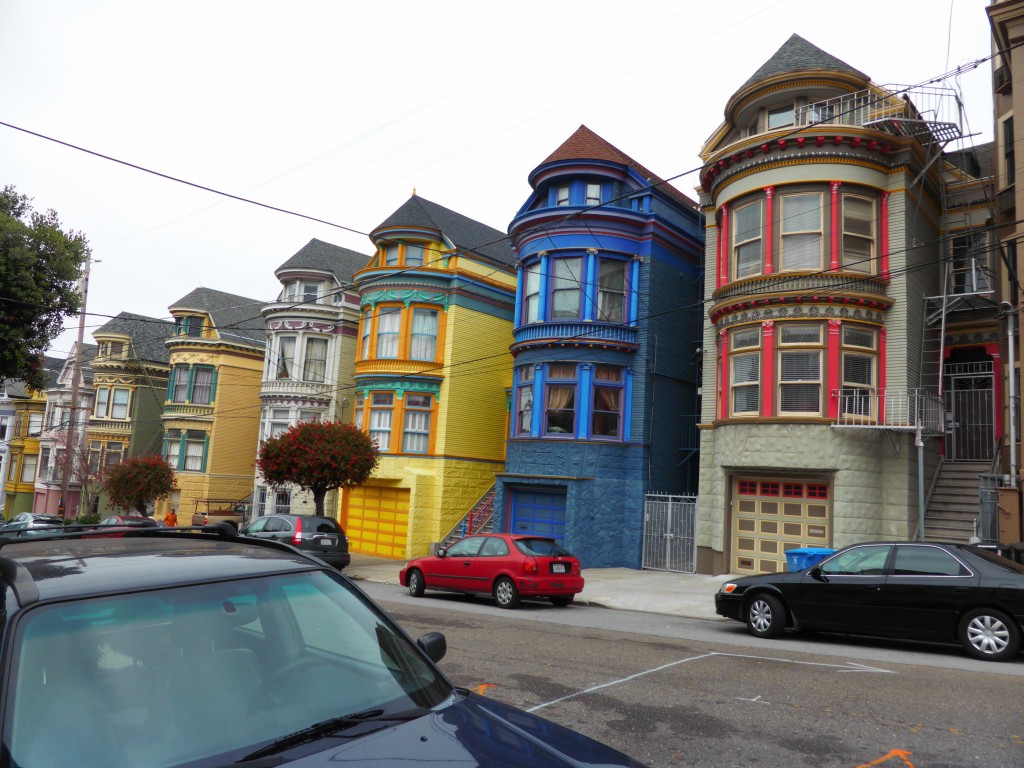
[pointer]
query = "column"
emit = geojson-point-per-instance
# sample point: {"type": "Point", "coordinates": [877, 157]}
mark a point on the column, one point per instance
{"type": "Point", "coordinates": [769, 240]}
{"type": "Point", "coordinates": [884, 236]}
{"type": "Point", "coordinates": [723, 251]}
{"type": "Point", "coordinates": [881, 374]}
{"type": "Point", "coordinates": [833, 378]}
{"type": "Point", "coordinates": [834, 263]}
{"type": "Point", "coordinates": [723, 375]}
{"type": "Point", "coordinates": [767, 387]}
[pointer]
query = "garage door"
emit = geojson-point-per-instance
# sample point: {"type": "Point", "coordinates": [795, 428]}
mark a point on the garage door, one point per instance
{"type": "Point", "coordinates": [377, 520]}
{"type": "Point", "coordinates": [770, 517]}
{"type": "Point", "coordinates": [542, 513]}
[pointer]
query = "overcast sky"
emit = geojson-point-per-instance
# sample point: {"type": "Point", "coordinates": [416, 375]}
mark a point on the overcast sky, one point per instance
{"type": "Point", "coordinates": [338, 110]}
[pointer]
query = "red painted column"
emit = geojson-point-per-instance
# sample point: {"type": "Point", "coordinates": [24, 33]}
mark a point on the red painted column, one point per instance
{"type": "Point", "coordinates": [834, 263]}
{"type": "Point", "coordinates": [833, 376]}
{"type": "Point", "coordinates": [769, 240]}
{"type": "Point", "coordinates": [723, 375]}
{"type": "Point", "coordinates": [884, 236]}
{"type": "Point", "coordinates": [881, 375]}
{"type": "Point", "coordinates": [997, 383]}
{"type": "Point", "coordinates": [767, 368]}
{"type": "Point", "coordinates": [723, 254]}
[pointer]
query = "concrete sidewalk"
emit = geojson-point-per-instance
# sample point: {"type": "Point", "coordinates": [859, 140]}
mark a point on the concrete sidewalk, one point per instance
{"type": "Point", "coordinates": [676, 594]}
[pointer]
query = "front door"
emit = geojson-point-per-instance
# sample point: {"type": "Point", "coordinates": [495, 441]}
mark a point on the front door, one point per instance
{"type": "Point", "coordinates": [970, 428]}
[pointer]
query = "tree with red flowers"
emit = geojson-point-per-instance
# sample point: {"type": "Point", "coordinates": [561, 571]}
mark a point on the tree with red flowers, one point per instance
{"type": "Point", "coordinates": [319, 456]}
{"type": "Point", "coordinates": [136, 483]}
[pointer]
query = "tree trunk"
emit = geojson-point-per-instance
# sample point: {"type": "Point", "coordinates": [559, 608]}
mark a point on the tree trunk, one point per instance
{"type": "Point", "coordinates": [318, 500]}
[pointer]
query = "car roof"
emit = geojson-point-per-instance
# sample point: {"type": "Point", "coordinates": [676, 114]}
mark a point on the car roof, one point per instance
{"type": "Point", "coordinates": [73, 566]}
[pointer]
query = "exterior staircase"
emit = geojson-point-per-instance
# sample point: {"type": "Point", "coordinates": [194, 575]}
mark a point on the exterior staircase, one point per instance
{"type": "Point", "coordinates": [480, 519]}
{"type": "Point", "coordinates": [954, 504]}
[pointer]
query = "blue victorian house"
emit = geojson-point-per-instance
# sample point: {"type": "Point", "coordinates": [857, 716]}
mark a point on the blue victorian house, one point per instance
{"type": "Point", "coordinates": [606, 349]}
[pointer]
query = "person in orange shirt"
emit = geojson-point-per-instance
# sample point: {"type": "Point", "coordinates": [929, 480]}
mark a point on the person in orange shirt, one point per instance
{"type": "Point", "coordinates": [170, 519]}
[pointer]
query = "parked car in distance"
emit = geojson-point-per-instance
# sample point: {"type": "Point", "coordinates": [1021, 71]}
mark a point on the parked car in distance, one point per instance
{"type": "Point", "coordinates": [34, 520]}
{"type": "Point", "coordinates": [944, 593]}
{"type": "Point", "coordinates": [203, 649]}
{"type": "Point", "coordinates": [317, 534]}
{"type": "Point", "coordinates": [229, 513]}
{"type": "Point", "coordinates": [135, 521]}
{"type": "Point", "coordinates": [508, 566]}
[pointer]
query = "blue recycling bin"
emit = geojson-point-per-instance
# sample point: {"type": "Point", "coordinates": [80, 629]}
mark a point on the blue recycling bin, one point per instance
{"type": "Point", "coordinates": [805, 557]}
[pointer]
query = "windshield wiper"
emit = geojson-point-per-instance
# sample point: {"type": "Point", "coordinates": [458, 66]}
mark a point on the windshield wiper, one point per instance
{"type": "Point", "coordinates": [328, 727]}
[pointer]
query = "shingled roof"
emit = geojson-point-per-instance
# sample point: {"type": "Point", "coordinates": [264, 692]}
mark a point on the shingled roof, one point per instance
{"type": "Point", "coordinates": [146, 333]}
{"type": "Point", "coordinates": [316, 254]}
{"type": "Point", "coordinates": [798, 55]}
{"type": "Point", "coordinates": [236, 318]}
{"type": "Point", "coordinates": [584, 144]}
{"type": "Point", "coordinates": [464, 233]}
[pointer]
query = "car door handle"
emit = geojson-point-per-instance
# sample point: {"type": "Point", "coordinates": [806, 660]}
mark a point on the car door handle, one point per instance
{"type": "Point", "coordinates": [466, 563]}
{"type": "Point", "coordinates": [872, 589]}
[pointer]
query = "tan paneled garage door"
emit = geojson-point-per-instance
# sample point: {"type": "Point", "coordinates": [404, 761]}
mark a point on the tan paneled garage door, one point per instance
{"type": "Point", "coordinates": [771, 517]}
{"type": "Point", "coordinates": [377, 520]}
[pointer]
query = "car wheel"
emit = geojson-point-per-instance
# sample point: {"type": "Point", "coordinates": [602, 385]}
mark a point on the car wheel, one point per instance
{"type": "Point", "coordinates": [414, 579]}
{"type": "Point", "coordinates": [766, 616]}
{"type": "Point", "coordinates": [989, 635]}
{"type": "Point", "coordinates": [505, 593]}
{"type": "Point", "coordinates": [562, 600]}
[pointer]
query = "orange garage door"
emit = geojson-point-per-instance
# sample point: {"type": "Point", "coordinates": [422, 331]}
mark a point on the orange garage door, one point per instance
{"type": "Point", "coordinates": [377, 520]}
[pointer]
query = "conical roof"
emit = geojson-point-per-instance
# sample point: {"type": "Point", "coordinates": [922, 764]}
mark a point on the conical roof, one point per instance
{"type": "Point", "coordinates": [798, 55]}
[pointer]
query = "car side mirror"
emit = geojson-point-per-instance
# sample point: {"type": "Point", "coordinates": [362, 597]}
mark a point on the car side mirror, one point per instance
{"type": "Point", "coordinates": [816, 574]}
{"type": "Point", "coordinates": [434, 645]}
{"type": "Point", "coordinates": [442, 552]}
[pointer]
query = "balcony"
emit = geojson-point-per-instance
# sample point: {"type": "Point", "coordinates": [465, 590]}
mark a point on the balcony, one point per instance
{"type": "Point", "coordinates": [901, 410]}
{"type": "Point", "coordinates": [578, 333]}
{"type": "Point", "coordinates": [187, 411]}
{"type": "Point", "coordinates": [290, 387]}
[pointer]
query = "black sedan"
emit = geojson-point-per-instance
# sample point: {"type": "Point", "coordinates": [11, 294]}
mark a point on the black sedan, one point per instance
{"type": "Point", "coordinates": [911, 590]}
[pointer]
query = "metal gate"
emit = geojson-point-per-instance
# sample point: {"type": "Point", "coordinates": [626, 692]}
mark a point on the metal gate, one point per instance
{"type": "Point", "coordinates": [970, 422]}
{"type": "Point", "coordinates": [670, 533]}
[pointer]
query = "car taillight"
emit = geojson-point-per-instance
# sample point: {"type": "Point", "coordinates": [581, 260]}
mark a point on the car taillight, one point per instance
{"type": "Point", "coordinates": [529, 566]}
{"type": "Point", "coordinates": [297, 536]}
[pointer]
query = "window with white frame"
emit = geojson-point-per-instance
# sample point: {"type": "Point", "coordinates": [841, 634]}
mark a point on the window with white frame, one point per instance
{"type": "Point", "coordinates": [5, 423]}
{"type": "Point", "coordinates": [367, 327]}
{"type": "Point", "coordinates": [202, 385]}
{"type": "Point", "coordinates": [35, 423]}
{"type": "Point", "coordinates": [113, 453]}
{"type": "Point", "coordinates": [531, 293]}
{"type": "Point", "coordinates": [524, 401]}
{"type": "Point", "coordinates": [800, 352]}
{"type": "Point", "coordinates": [606, 414]}
{"type": "Point", "coordinates": [309, 415]}
{"type": "Point", "coordinates": [424, 334]}
{"type": "Point", "coordinates": [562, 194]}
{"type": "Point", "coordinates": [566, 284]}
{"type": "Point", "coordinates": [747, 240]}
{"type": "Point", "coordinates": [195, 447]}
{"type": "Point", "coordinates": [357, 412]}
{"type": "Point", "coordinates": [745, 371]}
{"type": "Point", "coordinates": [119, 404]}
{"type": "Point", "coordinates": [310, 291]}
{"type": "Point", "coordinates": [280, 420]}
{"type": "Point", "coordinates": [95, 456]}
{"type": "Point", "coordinates": [28, 468]}
{"type": "Point", "coordinates": [389, 321]}
{"type": "Point", "coordinates": [593, 194]}
{"type": "Point", "coordinates": [381, 404]}
{"type": "Point", "coordinates": [285, 356]}
{"type": "Point", "coordinates": [102, 402]}
{"type": "Point", "coordinates": [858, 234]}
{"type": "Point", "coordinates": [860, 362]}
{"type": "Point", "coordinates": [611, 291]}
{"type": "Point", "coordinates": [560, 400]}
{"type": "Point", "coordinates": [315, 362]}
{"type": "Point", "coordinates": [44, 462]}
{"type": "Point", "coordinates": [801, 246]}
{"type": "Point", "coordinates": [179, 384]}
{"type": "Point", "coordinates": [416, 434]}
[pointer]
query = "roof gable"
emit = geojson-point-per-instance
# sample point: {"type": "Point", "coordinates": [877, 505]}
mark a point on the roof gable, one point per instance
{"type": "Point", "coordinates": [147, 335]}
{"type": "Point", "coordinates": [236, 318]}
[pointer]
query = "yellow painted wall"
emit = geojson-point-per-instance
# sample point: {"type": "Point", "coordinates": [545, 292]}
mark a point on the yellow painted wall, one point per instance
{"type": "Point", "coordinates": [473, 412]}
{"type": "Point", "coordinates": [236, 417]}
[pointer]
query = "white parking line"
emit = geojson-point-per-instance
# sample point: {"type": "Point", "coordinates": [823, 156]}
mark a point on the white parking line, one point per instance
{"type": "Point", "coordinates": [848, 666]}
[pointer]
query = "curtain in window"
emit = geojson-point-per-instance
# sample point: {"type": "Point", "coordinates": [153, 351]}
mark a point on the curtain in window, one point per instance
{"type": "Point", "coordinates": [285, 356]}
{"type": "Point", "coordinates": [424, 334]}
{"type": "Point", "coordinates": [316, 359]}
{"type": "Point", "coordinates": [202, 386]}
{"type": "Point", "coordinates": [387, 332]}
{"type": "Point", "coordinates": [417, 431]}
{"type": "Point", "coordinates": [525, 409]}
{"type": "Point", "coordinates": [611, 291]}
{"type": "Point", "coordinates": [561, 408]}
{"type": "Point", "coordinates": [180, 393]}
{"type": "Point", "coordinates": [607, 404]}
{"type": "Point", "coordinates": [194, 454]}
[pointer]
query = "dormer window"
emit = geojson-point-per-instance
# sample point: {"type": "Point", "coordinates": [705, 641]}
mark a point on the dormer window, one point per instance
{"type": "Point", "coordinates": [391, 255]}
{"type": "Point", "coordinates": [190, 325]}
{"type": "Point", "coordinates": [593, 194]}
{"type": "Point", "coordinates": [562, 195]}
{"type": "Point", "coordinates": [413, 255]}
{"type": "Point", "coordinates": [780, 117]}
{"type": "Point", "coordinates": [310, 291]}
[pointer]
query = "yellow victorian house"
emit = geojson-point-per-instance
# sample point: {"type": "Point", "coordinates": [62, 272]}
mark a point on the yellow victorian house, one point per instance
{"type": "Point", "coordinates": [432, 375]}
{"type": "Point", "coordinates": [22, 424]}
{"type": "Point", "coordinates": [211, 415]}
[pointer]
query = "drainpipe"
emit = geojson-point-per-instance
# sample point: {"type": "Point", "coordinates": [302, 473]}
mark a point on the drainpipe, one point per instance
{"type": "Point", "coordinates": [919, 441]}
{"type": "Point", "coordinates": [1011, 333]}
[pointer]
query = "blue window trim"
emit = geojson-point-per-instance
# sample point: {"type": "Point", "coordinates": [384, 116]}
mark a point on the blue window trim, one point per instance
{"type": "Point", "coordinates": [585, 383]}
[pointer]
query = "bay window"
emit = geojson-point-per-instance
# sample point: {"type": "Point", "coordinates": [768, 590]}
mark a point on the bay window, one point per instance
{"type": "Point", "coordinates": [414, 254]}
{"type": "Point", "coordinates": [745, 371]}
{"type": "Point", "coordinates": [357, 414]}
{"type": "Point", "coordinates": [593, 194]}
{"type": "Point", "coordinates": [801, 232]}
{"type": "Point", "coordinates": [524, 401]}
{"type": "Point", "coordinates": [800, 353]}
{"type": "Point", "coordinates": [179, 384]}
{"type": "Point", "coordinates": [381, 404]}
{"type": "Point", "coordinates": [315, 362]}
{"type": "Point", "coordinates": [606, 411]}
{"type": "Point", "coordinates": [173, 454]}
{"type": "Point", "coordinates": [367, 327]}
{"type": "Point", "coordinates": [560, 400]}
{"type": "Point", "coordinates": [391, 255]}
{"type": "Point", "coordinates": [28, 468]}
{"type": "Point", "coordinates": [285, 356]}
{"type": "Point", "coordinates": [747, 240]}
{"type": "Point", "coordinates": [859, 361]}
{"type": "Point", "coordinates": [202, 385]}
{"type": "Point", "coordinates": [119, 404]}
{"type": "Point", "coordinates": [310, 291]}
{"type": "Point", "coordinates": [858, 235]}
{"type": "Point", "coordinates": [195, 445]}
{"type": "Point", "coordinates": [562, 195]}
{"type": "Point", "coordinates": [102, 401]}
{"type": "Point", "coordinates": [424, 334]}
{"type": "Point", "coordinates": [780, 117]}
{"type": "Point", "coordinates": [531, 293]}
{"type": "Point", "coordinates": [113, 453]}
{"type": "Point", "coordinates": [565, 288]}
{"type": "Point", "coordinates": [416, 434]}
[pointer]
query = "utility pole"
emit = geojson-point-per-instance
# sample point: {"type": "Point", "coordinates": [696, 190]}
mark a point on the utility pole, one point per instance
{"type": "Point", "coordinates": [69, 440]}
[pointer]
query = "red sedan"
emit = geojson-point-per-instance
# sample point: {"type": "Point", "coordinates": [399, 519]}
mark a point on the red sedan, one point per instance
{"type": "Point", "coordinates": [508, 566]}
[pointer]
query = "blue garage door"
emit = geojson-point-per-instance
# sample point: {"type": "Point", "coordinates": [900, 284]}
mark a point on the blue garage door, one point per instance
{"type": "Point", "coordinates": [542, 513]}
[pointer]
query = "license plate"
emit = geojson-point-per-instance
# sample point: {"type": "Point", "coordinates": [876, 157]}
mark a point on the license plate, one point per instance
{"type": "Point", "coordinates": [559, 568]}
{"type": "Point", "coordinates": [326, 542]}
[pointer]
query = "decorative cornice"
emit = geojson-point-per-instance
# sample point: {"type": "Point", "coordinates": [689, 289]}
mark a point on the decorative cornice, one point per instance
{"type": "Point", "coordinates": [300, 325]}
{"type": "Point", "coordinates": [399, 386]}
{"type": "Point", "coordinates": [410, 296]}
{"type": "Point", "coordinates": [731, 316]}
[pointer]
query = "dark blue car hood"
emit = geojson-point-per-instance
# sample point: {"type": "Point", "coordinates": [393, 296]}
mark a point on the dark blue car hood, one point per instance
{"type": "Point", "coordinates": [471, 731]}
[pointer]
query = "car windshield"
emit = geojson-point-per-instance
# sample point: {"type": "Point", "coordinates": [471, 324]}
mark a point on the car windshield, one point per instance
{"type": "Point", "coordinates": [542, 548]}
{"type": "Point", "coordinates": [204, 675]}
